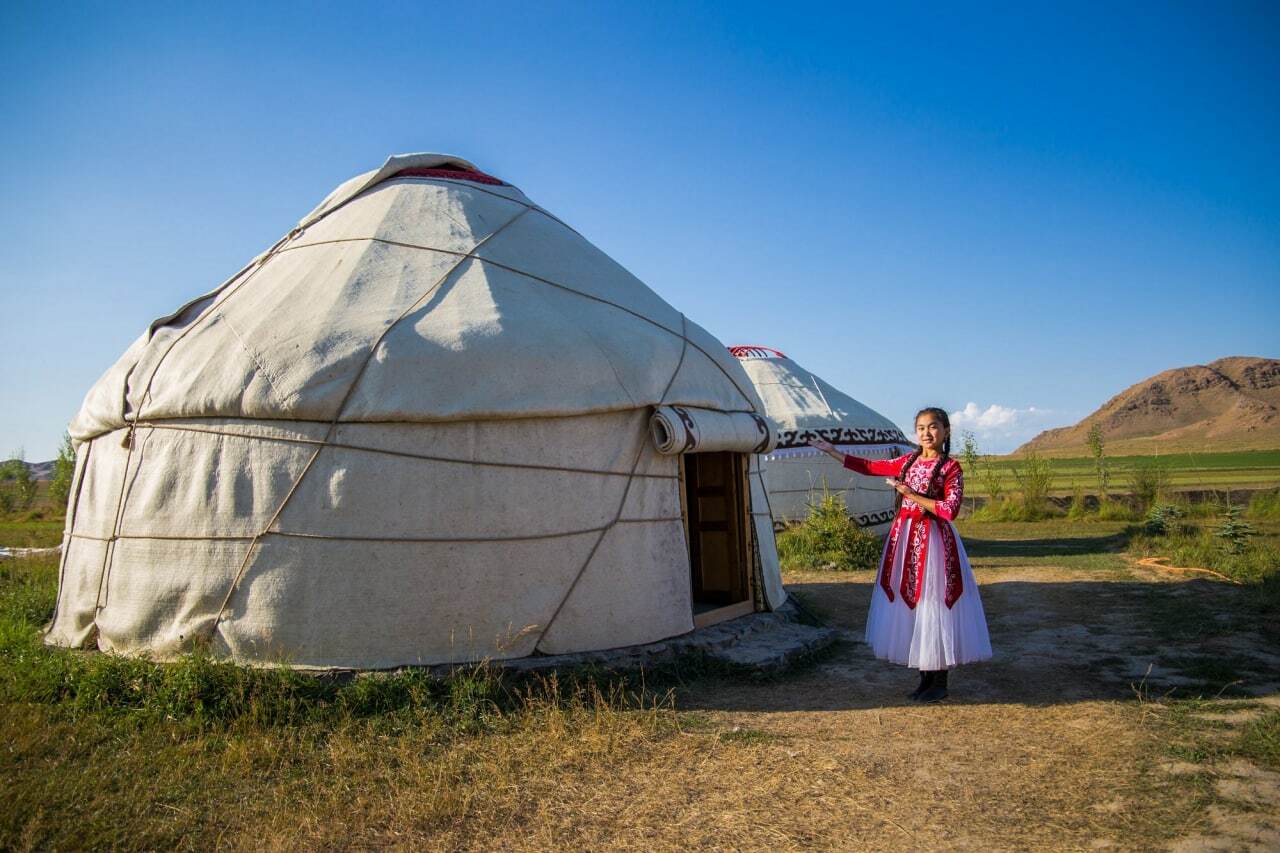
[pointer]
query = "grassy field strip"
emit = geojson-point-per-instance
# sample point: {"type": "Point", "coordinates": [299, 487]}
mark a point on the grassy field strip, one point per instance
{"type": "Point", "coordinates": [1241, 469]}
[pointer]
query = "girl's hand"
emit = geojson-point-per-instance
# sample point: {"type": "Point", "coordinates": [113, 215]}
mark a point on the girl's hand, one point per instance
{"type": "Point", "coordinates": [825, 446]}
{"type": "Point", "coordinates": [899, 487]}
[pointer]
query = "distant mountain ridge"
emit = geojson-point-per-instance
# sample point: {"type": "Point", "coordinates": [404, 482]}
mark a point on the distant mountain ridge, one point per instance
{"type": "Point", "coordinates": [1229, 404]}
{"type": "Point", "coordinates": [40, 470]}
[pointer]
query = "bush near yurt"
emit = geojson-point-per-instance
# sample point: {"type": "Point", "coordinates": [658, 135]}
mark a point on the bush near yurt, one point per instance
{"type": "Point", "coordinates": [828, 539]}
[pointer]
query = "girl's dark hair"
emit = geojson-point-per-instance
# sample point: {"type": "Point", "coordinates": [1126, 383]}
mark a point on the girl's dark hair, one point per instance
{"type": "Point", "coordinates": [941, 415]}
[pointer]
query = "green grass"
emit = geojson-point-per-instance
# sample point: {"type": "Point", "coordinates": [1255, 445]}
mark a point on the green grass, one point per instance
{"type": "Point", "coordinates": [1013, 509]}
{"type": "Point", "coordinates": [30, 534]}
{"type": "Point", "coordinates": [1260, 740]}
{"type": "Point", "coordinates": [1187, 471]}
{"type": "Point", "coordinates": [208, 692]}
{"type": "Point", "coordinates": [1192, 738]}
{"type": "Point", "coordinates": [1095, 547]}
{"type": "Point", "coordinates": [1265, 506]}
{"type": "Point", "coordinates": [1193, 543]}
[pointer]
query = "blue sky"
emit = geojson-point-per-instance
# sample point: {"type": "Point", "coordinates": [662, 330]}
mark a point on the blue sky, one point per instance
{"type": "Point", "coordinates": [929, 204]}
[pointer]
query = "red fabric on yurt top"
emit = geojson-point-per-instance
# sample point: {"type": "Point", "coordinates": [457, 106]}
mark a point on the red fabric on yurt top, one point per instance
{"type": "Point", "coordinates": [456, 174]}
{"type": "Point", "coordinates": [755, 351]}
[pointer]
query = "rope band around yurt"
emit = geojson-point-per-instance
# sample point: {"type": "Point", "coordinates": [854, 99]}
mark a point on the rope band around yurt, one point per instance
{"type": "Point", "coordinates": [626, 491]}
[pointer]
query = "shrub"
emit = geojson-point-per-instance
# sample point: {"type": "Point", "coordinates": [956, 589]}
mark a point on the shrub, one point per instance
{"type": "Point", "coordinates": [1010, 510]}
{"type": "Point", "coordinates": [1033, 477]}
{"type": "Point", "coordinates": [1112, 510]}
{"type": "Point", "coordinates": [17, 487]}
{"type": "Point", "coordinates": [828, 539]}
{"type": "Point", "coordinates": [1077, 510]}
{"type": "Point", "coordinates": [1148, 479]}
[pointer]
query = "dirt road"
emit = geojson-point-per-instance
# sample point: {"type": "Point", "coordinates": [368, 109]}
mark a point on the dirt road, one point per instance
{"type": "Point", "coordinates": [1062, 741]}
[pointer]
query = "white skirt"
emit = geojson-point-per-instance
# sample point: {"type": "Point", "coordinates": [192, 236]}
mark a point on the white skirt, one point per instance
{"type": "Point", "coordinates": [931, 636]}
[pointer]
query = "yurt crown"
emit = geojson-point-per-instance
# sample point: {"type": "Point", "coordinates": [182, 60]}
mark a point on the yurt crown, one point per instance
{"type": "Point", "coordinates": [752, 351]}
{"type": "Point", "coordinates": [451, 170]}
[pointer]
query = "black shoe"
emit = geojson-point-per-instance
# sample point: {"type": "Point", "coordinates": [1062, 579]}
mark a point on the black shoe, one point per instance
{"type": "Point", "coordinates": [926, 681]}
{"type": "Point", "coordinates": [937, 689]}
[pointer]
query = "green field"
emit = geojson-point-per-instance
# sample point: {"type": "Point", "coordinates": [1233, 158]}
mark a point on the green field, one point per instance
{"type": "Point", "coordinates": [1246, 469]}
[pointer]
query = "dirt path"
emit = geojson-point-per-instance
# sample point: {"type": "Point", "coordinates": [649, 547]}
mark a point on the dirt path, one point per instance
{"type": "Point", "coordinates": [1046, 746]}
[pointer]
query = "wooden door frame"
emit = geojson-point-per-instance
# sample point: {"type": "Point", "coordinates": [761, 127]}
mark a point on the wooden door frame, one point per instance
{"type": "Point", "coordinates": [740, 465]}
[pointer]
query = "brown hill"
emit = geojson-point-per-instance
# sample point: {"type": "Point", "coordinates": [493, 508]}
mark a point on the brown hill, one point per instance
{"type": "Point", "coordinates": [1230, 404]}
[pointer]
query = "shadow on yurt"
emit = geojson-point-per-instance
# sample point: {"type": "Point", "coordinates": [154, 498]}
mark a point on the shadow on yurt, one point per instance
{"type": "Point", "coordinates": [806, 407]}
{"type": "Point", "coordinates": [431, 424]}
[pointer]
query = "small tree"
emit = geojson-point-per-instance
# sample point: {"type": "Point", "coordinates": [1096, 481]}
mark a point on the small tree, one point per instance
{"type": "Point", "coordinates": [1160, 520]}
{"type": "Point", "coordinates": [1100, 463]}
{"type": "Point", "coordinates": [1033, 477]}
{"type": "Point", "coordinates": [1233, 531]}
{"type": "Point", "coordinates": [64, 469]}
{"type": "Point", "coordinates": [17, 487]}
{"type": "Point", "coordinates": [991, 478]}
{"type": "Point", "coordinates": [969, 453]}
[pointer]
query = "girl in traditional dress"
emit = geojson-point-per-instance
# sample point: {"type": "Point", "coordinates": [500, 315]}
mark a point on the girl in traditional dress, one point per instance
{"type": "Point", "coordinates": [925, 610]}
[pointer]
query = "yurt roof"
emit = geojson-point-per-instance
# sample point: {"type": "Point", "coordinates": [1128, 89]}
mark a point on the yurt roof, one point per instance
{"type": "Point", "coordinates": [421, 291]}
{"type": "Point", "coordinates": [799, 400]}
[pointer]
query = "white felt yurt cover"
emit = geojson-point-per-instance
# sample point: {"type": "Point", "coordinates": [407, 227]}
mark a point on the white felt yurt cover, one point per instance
{"type": "Point", "coordinates": [804, 406]}
{"type": "Point", "coordinates": [415, 430]}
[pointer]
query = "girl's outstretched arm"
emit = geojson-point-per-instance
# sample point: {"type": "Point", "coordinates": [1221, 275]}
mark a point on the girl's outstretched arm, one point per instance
{"type": "Point", "coordinates": [876, 467]}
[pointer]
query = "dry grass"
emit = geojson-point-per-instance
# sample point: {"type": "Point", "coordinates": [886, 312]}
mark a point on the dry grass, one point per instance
{"type": "Point", "coordinates": [864, 778]}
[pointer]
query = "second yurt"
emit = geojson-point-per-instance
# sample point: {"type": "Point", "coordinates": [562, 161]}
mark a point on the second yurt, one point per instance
{"type": "Point", "coordinates": [804, 406]}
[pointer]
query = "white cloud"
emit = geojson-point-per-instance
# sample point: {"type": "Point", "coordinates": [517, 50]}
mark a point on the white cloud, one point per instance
{"type": "Point", "coordinates": [1000, 429]}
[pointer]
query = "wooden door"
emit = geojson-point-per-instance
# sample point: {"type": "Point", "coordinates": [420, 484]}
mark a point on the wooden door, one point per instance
{"type": "Point", "coordinates": [719, 544]}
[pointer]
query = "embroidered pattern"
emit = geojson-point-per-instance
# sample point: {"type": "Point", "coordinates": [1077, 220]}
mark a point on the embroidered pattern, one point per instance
{"type": "Point", "coordinates": [913, 567]}
{"type": "Point", "coordinates": [955, 580]}
{"type": "Point", "coordinates": [868, 519]}
{"type": "Point", "coordinates": [839, 435]}
{"type": "Point", "coordinates": [763, 426]}
{"type": "Point", "coordinates": [886, 562]}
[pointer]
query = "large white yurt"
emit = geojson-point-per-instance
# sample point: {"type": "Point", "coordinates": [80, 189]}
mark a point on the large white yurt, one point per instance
{"type": "Point", "coordinates": [805, 407]}
{"type": "Point", "coordinates": [431, 424]}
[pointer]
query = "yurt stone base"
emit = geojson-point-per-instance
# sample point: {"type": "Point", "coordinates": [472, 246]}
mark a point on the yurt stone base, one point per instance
{"type": "Point", "coordinates": [760, 643]}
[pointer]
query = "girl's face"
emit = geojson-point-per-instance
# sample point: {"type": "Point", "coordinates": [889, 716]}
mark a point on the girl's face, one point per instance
{"type": "Point", "coordinates": [930, 433]}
